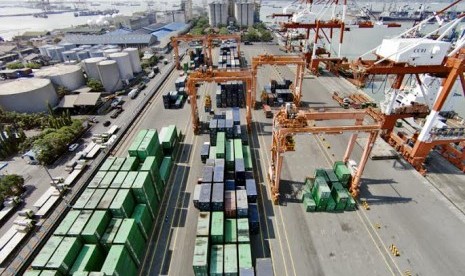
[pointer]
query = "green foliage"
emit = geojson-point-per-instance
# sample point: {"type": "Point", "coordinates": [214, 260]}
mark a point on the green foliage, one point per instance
{"type": "Point", "coordinates": [15, 65]}
{"type": "Point", "coordinates": [10, 139]}
{"type": "Point", "coordinates": [145, 65]}
{"type": "Point", "coordinates": [62, 91]}
{"type": "Point", "coordinates": [199, 26]}
{"type": "Point", "coordinates": [33, 65]}
{"type": "Point", "coordinates": [11, 185]}
{"type": "Point", "coordinates": [197, 31]}
{"type": "Point", "coordinates": [223, 31]}
{"type": "Point", "coordinates": [95, 85]}
{"type": "Point", "coordinates": [23, 120]}
{"type": "Point", "coordinates": [258, 33]}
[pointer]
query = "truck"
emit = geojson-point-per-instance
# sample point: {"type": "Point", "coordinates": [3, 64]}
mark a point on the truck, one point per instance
{"type": "Point", "coordinates": [208, 103]}
{"type": "Point", "coordinates": [133, 93]}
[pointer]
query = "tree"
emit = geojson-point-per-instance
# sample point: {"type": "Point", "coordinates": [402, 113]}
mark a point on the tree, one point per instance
{"type": "Point", "coordinates": [223, 31]}
{"type": "Point", "coordinates": [95, 85]}
{"type": "Point", "coordinates": [15, 65]}
{"type": "Point", "coordinates": [11, 185]}
{"type": "Point", "coordinates": [33, 65]}
{"type": "Point", "coordinates": [61, 91]}
{"type": "Point", "coordinates": [266, 36]}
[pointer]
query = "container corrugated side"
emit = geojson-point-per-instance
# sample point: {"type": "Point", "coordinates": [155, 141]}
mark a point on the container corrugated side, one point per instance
{"type": "Point", "coordinates": [83, 198]}
{"type": "Point", "coordinates": [200, 260]}
{"type": "Point", "coordinates": [66, 223]}
{"type": "Point", "coordinates": [245, 255]}
{"type": "Point", "coordinates": [90, 258]}
{"type": "Point", "coordinates": [129, 180]}
{"type": "Point", "coordinates": [96, 227]}
{"type": "Point", "coordinates": [243, 235]}
{"type": "Point", "coordinates": [130, 235]}
{"type": "Point", "coordinates": [118, 262]}
{"type": "Point", "coordinates": [165, 169]}
{"type": "Point", "coordinates": [98, 177]}
{"type": "Point", "coordinates": [203, 224]}
{"type": "Point", "coordinates": [41, 260]}
{"type": "Point", "coordinates": [216, 260]}
{"type": "Point", "coordinates": [144, 192]}
{"type": "Point", "coordinates": [217, 228]}
{"type": "Point", "coordinates": [65, 255]}
{"type": "Point", "coordinates": [106, 181]}
{"type": "Point", "coordinates": [229, 155]}
{"type": "Point", "coordinates": [230, 259]}
{"type": "Point", "coordinates": [95, 199]}
{"type": "Point", "coordinates": [107, 164]}
{"type": "Point", "coordinates": [263, 267]}
{"type": "Point", "coordinates": [152, 165]}
{"type": "Point", "coordinates": [230, 231]}
{"type": "Point", "coordinates": [247, 158]}
{"type": "Point", "coordinates": [136, 143]}
{"type": "Point", "coordinates": [238, 154]}
{"type": "Point", "coordinates": [130, 164]}
{"type": "Point", "coordinates": [212, 153]}
{"type": "Point", "coordinates": [123, 204]}
{"type": "Point", "coordinates": [80, 223]}
{"type": "Point", "coordinates": [107, 199]}
{"type": "Point", "coordinates": [116, 166]}
{"type": "Point", "coordinates": [144, 220]}
{"type": "Point", "coordinates": [110, 233]}
{"type": "Point", "coordinates": [118, 180]}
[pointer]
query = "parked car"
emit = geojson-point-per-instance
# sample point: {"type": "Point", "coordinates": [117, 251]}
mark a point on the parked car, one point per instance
{"type": "Point", "coordinates": [151, 75]}
{"type": "Point", "coordinates": [115, 113]}
{"type": "Point", "coordinates": [73, 147]}
{"type": "Point", "coordinates": [106, 123]}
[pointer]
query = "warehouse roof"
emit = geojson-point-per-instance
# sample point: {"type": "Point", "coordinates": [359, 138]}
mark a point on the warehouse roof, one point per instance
{"type": "Point", "coordinates": [119, 32]}
{"type": "Point", "coordinates": [176, 26]}
{"type": "Point", "coordinates": [161, 33]}
{"type": "Point", "coordinates": [68, 101]}
{"type": "Point", "coordinates": [111, 39]}
{"type": "Point", "coordinates": [154, 27]}
{"type": "Point", "coordinates": [87, 99]}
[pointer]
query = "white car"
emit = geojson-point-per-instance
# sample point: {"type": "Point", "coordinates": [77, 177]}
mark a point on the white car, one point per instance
{"type": "Point", "coordinates": [73, 147]}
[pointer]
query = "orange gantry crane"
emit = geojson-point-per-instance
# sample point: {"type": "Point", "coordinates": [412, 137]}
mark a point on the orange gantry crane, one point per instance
{"type": "Point", "coordinates": [217, 76]}
{"type": "Point", "coordinates": [207, 45]}
{"type": "Point", "coordinates": [280, 60]}
{"type": "Point", "coordinates": [290, 121]}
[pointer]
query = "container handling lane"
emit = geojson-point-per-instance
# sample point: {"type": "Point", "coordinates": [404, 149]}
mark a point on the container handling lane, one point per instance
{"type": "Point", "coordinates": [403, 204]}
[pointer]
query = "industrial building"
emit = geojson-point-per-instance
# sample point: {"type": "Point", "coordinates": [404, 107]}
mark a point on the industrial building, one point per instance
{"type": "Point", "coordinates": [217, 14]}
{"type": "Point", "coordinates": [186, 6]}
{"type": "Point", "coordinates": [68, 76]}
{"type": "Point", "coordinates": [136, 21]}
{"type": "Point", "coordinates": [244, 13]}
{"type": "Point", "coordinates": [27, 95]}
{"type": "Point", "coordinates": [124, 40]}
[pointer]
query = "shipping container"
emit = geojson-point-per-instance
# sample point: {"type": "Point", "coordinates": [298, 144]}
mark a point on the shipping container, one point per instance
{"type": "Point", "coordinates": [107, 164]}
{"type": "Point", "coordinates": [90, 258]}
{"type": "Point", "coordinates": [196, 196]}
{"type": "Point", "coordinates": [117, 164]}
{"type": "Point", "coordinates": [41, 260]}
{"type": "Point", "coordinates": [123, 204]}
{"type": "Point", "coordinates": [94, 199]}
{"type": "Point", "coordinates": [136, 143]}
{"type": "Point", "coordinates": [106, 181]}
{"type": "Point", "coordinates": [217, 201]}
{"type": "Point", "coordinates": [243, 235]}
{"type": "Point", "coordinates": [246, 272]}
{"type": "Point", "coordinates": [118, 180]}
{"type": "Point", "coordinates": [245, 255]}
{"type": "Point", "coordinates": [149, 146]}
{"type": "Point", "coordinates": [205, 197]}
{"type": "Point", "coordinates": [230, 231]}
{"type": "Point", "coordinates": [200, 260]}
{"type": "Point", "coordinates": [119, 262]}
{"type": "Point", "coordinates": [66, 223]}
{"type": "Point", "coordinates": [168, 139]}
{"type": "Point", "coordinates": [83, 198]}
{"type": "Point", "coordinates": [96, 227]}
{"type": "Point", "coordinates": [230, 260]}
{"type": "Point", "coordinates": [165, 169]}
{"type": "Point", "coordinates": [65, 255]}
{"type": "Point", "coordinates": [130, 235]}
{"type": "Point", "coordinates": [216, 260]}
{"type": "Point", "coordinates": [129, 180]}
{"type": "Point", "coordinates": [241, 204]}
{"type": "Point", "coordinates": [251, 188]}
{"type": "Point", "coordinates": [239, 170]}
{"type": "Point", "coordinates": [107, 199]}
{"type": "Point", "coordinates": [217, 228]}
{"type": "Point", "coordinates": [247, 158]}
{"type": "Point", "coordinates": [342, 172]}
{"type": "Point", "coordinates": [130, 164]}
{"type": "Point", "coordinates": [238, 154]}
{"type": "Point", "coordinates": [220, 145]}
{"type": "Point", "coordinates": [254, 219]}
{"type": "Point", "coordinates": [230, 204]}
{"type": "Point", "coordinates": [204, 152]}
{"type": "Point", "coordinates": [212, 154]}
{"type": "Point", "coordinates": [95, 182]}
{"type": "Point", "coordinates": [351, 204]}
{"type": "Point", "coordinates": [207, 174]}
{"type": "Point", "coordinates": [263, 267]}
{"type": "Point", "coordinates": [309, 204]}
{"type": "Point", "coordinates": [144, 192]}
{"type": "Point", "coordinates": [218, 174]}
{"type": "Point", "coordinates": [80, 223]}
{"type": "Point", "coordinates": [229, 155]}
{"type": "Point", "coordinates": [331, 205]}
{"type": "Point", "coordinates": [144, 219]}
{"type": "Point", "coordinates": [203, 224]}
{"type": "Point", "coordinates": [152, 166]}
{"type": "Point", "coordinates": [229, 185]}
{"type": "Point", "coordinates": [110, 233]}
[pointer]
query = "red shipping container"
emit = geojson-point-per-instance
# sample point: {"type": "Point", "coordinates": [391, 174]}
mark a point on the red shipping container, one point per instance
{"type": "Point", "coordinates": [230, 204]}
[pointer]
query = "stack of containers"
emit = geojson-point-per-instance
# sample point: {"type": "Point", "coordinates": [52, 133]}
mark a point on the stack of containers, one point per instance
{"type": "Point", "coordinates": [109, 224]}
{"type": "Point", "coordinates": [278, 92]}
{"type": "Point", "coordinates": [230, 94]}
{"type": "Point", "coordinates": [226, 197]}
{"type": "Point", "coordinates": [229, 56]}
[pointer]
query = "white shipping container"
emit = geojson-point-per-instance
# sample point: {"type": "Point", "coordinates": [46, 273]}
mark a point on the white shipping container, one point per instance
{"type": "Point", "coordinates": [414, 51]}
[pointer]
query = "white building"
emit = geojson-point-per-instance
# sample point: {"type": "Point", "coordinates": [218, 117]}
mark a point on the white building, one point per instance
{"type": "Point", "coordinates": [244, 13]}
{"type": "Point", "coordinates": [186, 6]}
{"type": "Point", "coordinates": [217, 14]}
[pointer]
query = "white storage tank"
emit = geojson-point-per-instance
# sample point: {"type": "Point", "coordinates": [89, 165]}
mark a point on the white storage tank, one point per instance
{"type": "Point", "coordinates": [135, 59]}
{"type": "Point", "coordinates": [90, 66]}
{"type": "Point", "coordinates": [108, 52]}
{"type": "Point", "coordinates": [109, 75]}
{"type": "Point", "coordinates": [67, 46]}
{"type": "Point", "coordinates": [69, 55]}
{"type": "Point", "coordinates": [414, 51]}
{"type": "Point", "coordinates": [124, 64]}
{"type": "Point", "coordinates": [96, 53]}
{"type": "Point", "coordinates": [69, 76]}
{"type": "Point", "coordinates": [55, 53]}
{"type": "Point", "coordinates": [82, 55]}
{"type": "Point", "coordinates": [43, 49]}
{"type": "Point", "coordinates": [27, 95]}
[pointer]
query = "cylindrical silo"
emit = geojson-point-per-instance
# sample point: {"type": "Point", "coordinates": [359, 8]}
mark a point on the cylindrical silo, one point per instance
{"type": "Point", "coordinates": [69, 55]}
{"type": "Point", "coordinates": [67, 46]}
{"type": "Point", "coordinates": [135, 59]}
{"type": "Point", "coordinates": [82, 55]}
{"type": "Point", "coordinates": [91, 68]}
{"type": "Point", "coordinates": [109, 75]}
{"type": "Point", "coordinates": [68, 76]}
{"type": "Point", "coordinates": [55, 53]}
{"type": "Point", "coordinates": [96, 53]}
{"type": "Point", "coordinates": [107, 47]}
{"type": "Point", "coordinates": [108, 52]}
{"type": "Point", "coordinates": [27, 95]}
{"type": "Point", "coordinates": [124, 64]}
{"type": "Point", "coordinates": [43, 49]}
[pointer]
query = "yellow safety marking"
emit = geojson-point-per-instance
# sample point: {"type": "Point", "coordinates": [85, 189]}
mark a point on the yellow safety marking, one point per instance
{"type": "Point", "coordinates": [394, 250]}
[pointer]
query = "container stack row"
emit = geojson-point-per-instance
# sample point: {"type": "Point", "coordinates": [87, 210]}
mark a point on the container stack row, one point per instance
{"type": "Point", "coordinates": [229, 123]}
{"type": "Point", "coordinates": [176, 99]}
{"type": "Point", "coordinates": [229, 56]}
{"type": "Point", "coordinates": [328, 190]}
{"type": "Point", "coordinates": [226, 196]}
{"type": "Point", "coordinates": [108, 227]}
{"type": "Point", "coordinates": [230, 94]}
{"type": "Point", "coordinates": [196, 57]}
{"type": "Point", "coordinates": [277, 93]}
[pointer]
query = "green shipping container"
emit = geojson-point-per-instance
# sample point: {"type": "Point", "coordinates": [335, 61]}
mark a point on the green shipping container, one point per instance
{"type": "Point", "coordinates": [309, 204]}
{"type": "Point", "coordinates": [229, 155]}
{"type": "Point", "coordinates": [130, 164]}
{"type": "Point", "coordinates": [245, 255]}
{"type": "Point", "coordinates": [90, 258]}
{"type": "Point", "coordinates": [351, 204]}
{"type": "Point", "coordinates": [238, 154]}
{"type": "Point", "coordinates": [144, 219]}
{"type": "Point", "coordinates": [95, 182]}
{"type": "Point", "coordinates": [116, 166]}
{"type": "Point", "coordinates": [331, 205]}
{"type": "Point", "coordinates": [32, 273]}
{"type": "Point", "coordinates": [216, 260]}
{"type": "Point", "coordinates": [168, 138]}
{"type": "Point", "coordinates": [80, 223]}
{"type": "Point", "coordinates": [95, 199]}
{"type": "Point", "coordinates": [220, 145]}
{"type": "Point", "coordinates": [247, 158]}
{"type": "Point", "coordinates": [165, 169]}
{"type": "Point", "coordinates": [107, 199]}
{"type": "Point", "coordinates": [86, 273]}
{"type": "Point", "coordinates": [106, 181]}
{"type": "Point", "coordinates": [212, 153]}
{"type": "Point", "coordinates": [123, 204]}
{"type": "Point", "coordinates": [110, 233]}
{"type": "Point", "coordinates": [203, 224]}
{"type": "Point", "coordinates": [66, 223]}
{"type": "Point", "coordinates": [243, 235]}
{"type": "Point", "coordinates": [107, 164]}
{"type": "Point", "coordinates": [118, 262]}
{"type": "Point", "coordinates": [331, 176]}
{"type": "Point", "coordinates": [149, 144]}
{"type": "Point", "coordinates": [136, 143]}
{"type": "Point", "coordinates": [96, 227]}
{"type": "Point", "coordinates": [152, 166]}
{"type": "Point", "coordinates": [230, 260]}
{"type": "Point", "coordinates": [50, 273]}
{"type": "Point", "coordinates": [230, 231]}
{"type": "Point", "coordinates": [41, 260]}
{"type": "Point", "coordinates": [129, 180]}
{"type": "Point", "coordinates": [130, 235]}
{"type": "Point", "coordinates": [82, 200]}
{"type": "Point", "coordinates": [144, 192]}
{"type": "Point", "coordinates": [65, 255]}
{"type": "Point", "coordinates": [342, 172]}
{"type": "Point", "coordinates": [217, 228]}
{"type": "Point", "coordinates": [118, 180]}
{"type": "Point", "coordinates": [200, 261]}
